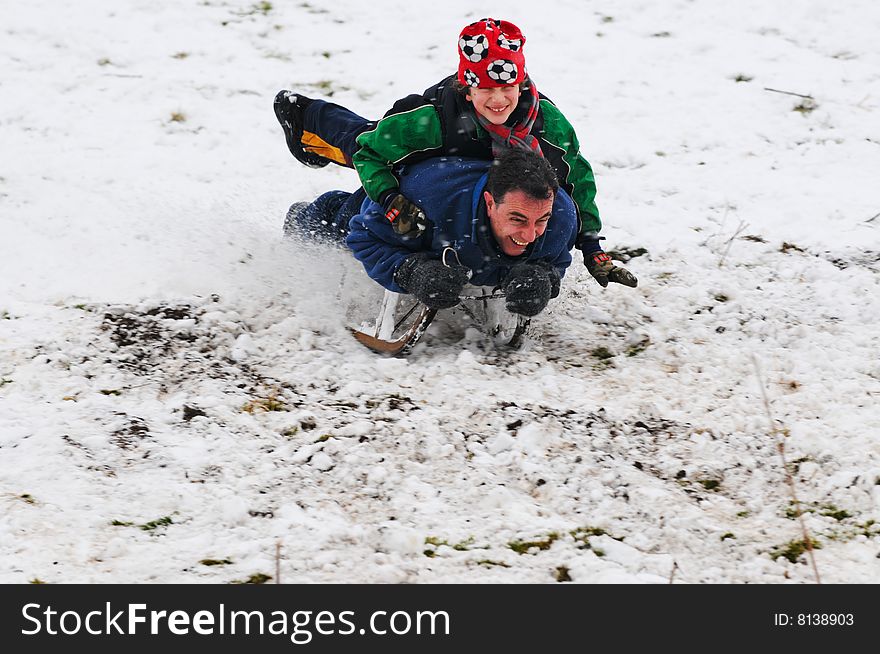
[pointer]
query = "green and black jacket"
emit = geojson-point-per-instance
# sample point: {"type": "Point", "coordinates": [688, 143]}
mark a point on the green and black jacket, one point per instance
{"type": "Point", "coordinates": [442, 122]}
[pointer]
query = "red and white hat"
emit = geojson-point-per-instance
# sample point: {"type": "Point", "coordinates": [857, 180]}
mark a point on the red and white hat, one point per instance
{"type": "Point", "coordinates": [490, 54]}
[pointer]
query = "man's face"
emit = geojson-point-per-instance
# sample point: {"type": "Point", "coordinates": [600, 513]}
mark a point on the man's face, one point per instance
{"type": "Point", "coordinates": [495, 104]}
{"type": "Point", "coordinates": [517, 220]}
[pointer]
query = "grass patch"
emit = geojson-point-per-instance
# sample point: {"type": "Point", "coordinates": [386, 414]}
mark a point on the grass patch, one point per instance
{"type": "Point", "coordinates": [806, 106]}
{"type": "Point", "coordinates": [793, 510]}
{"type": "Point", "coordinates": [709, 484]}
{"type": "Point", "coordinates": [435, 542]}
{"type": "Point", "coordinates": [846, 533]}
{"type": "Point", "coordinates": [257, 578]}
{"type": "Point", "coordinates": [793, 550]}
{"type": "Point", "coordinates": [264, 405]}
{"type": "Point", "coordinates": [602, 353]}
{"type": "Point", "coordinates": [212, 562]}
{"type": "Point", "coordinates": [582, 536]}
{"type": "Point", "coordinates": [155, 524]}
{"type": "Point", "coordinates": [626, 254]}
{"type": "Point", "coordinates": [27, 497]}
{"type": "Point", "coordinates": [831, 511]}
{"type": "Point", "coordinates": [826, 510]}
{"type": "Point", "coordinates": [490, 563]}
{"type": "Point", "coordinates": [561, 573]}
{"type": "Point", "coordinates": [328, 87]}
{"type": "Point", "coordinates": [869, 528]}
{"type": "Point", "coordinates": [120, 523]}
{"type": "Point", "coordinates": [638, 348]}
{"type": "Point", "coordinates": [585, 532]}
{"type": "Point", "coordinates": [111, 391]}
{"type": "Point", "coordinates": [523, 546]}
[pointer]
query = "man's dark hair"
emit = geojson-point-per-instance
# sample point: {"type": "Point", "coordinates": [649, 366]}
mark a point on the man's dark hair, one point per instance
{"type": "Point", "coordinates": [521, 170]}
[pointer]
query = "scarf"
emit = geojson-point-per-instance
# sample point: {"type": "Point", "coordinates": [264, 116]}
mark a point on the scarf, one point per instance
{"type": "Point", "coordinates": [520, 135]}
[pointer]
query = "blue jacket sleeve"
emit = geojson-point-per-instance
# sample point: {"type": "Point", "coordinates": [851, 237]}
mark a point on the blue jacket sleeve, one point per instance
{"type": "Point", "coordinates": [378, 247]}
{"type": "Point", "coordinates": [565, 220]}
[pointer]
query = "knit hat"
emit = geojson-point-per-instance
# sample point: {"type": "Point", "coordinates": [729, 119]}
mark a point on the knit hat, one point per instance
{"type": "Point", "coordinates": [490, 54]}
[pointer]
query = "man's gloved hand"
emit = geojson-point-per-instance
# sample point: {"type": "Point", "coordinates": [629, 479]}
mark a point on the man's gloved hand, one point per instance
{"type": "Point", "coordinates": [604, 270]}
{"type": "Point", "coordinates": [529, 287]}
{"type": "Point", "coordinates": [406, 217]}
{"type": "Point", "coordinates": [436, 285]}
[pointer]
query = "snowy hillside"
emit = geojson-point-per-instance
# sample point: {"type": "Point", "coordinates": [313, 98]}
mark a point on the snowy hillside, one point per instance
{"type": "Point", "coordinates": [178, 392]}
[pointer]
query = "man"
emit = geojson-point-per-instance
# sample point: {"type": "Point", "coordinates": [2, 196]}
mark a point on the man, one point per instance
{"type": "Point", "coordinates": [505, 224]}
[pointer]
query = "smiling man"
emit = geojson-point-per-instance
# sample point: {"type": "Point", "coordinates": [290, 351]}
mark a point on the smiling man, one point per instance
{"type": "Point", "coordinates": [505, 224]}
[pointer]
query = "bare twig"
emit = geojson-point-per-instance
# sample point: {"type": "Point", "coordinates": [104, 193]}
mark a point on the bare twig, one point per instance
{"type": "Point", "coordinates": [800, 95]}
{"type": "Point", "coordinates": [873, 218]}
{"type": "Point", "coordinates": [739, 230]}
{"type": "Point", "coordinates": [672, 574]}
{"type": "Point", "coordinates": [278, 562]}
{"type": "Point", "coordinates": [780, 446]}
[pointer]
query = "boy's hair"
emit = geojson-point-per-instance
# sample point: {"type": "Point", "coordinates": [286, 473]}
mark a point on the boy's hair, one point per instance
{"type": "Point", "coordinates": [517, 169]}
{"type": "Point", "coordinates": [463, 89]}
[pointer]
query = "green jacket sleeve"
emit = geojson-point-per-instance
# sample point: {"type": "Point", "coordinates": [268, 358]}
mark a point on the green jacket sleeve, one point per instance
{"type": "Point", "coordinates": [579, 182]}
{"type": "Point", "coordinates": [395, 137]}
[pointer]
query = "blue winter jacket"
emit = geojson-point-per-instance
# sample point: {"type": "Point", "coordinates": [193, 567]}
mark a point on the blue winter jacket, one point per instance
{"type": "Point", "coordinates": [450, 190]}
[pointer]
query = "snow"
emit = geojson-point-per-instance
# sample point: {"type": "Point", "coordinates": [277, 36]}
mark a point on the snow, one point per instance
{"type": "Point", "coordinates": [167, 364]}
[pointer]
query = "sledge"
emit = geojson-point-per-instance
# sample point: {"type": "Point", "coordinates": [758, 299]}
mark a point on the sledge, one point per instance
{"type": "Point", "coordinates": [402, 321]}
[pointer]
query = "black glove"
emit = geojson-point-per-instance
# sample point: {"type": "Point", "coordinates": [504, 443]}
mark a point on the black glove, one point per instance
{"type": "Point", "coordinates": [406, 217]}
{"type": "Point", "coordinates": [529, 287]}
{"type": "Point", "coordinates": [603, 269]}
{"type": "Point", "coordinates": [436, 285]}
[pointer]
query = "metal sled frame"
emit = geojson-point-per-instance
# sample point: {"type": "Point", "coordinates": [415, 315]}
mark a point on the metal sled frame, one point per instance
{"type": "Point", "coordinates": [522, 323]}
{"type": "Point", "coordinates": [388, 338]}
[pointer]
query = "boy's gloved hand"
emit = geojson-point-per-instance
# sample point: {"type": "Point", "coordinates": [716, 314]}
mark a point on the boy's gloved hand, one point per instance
{"type": "Point", "coordinates": [604, 270]}
{"type": "Point", "coordinates": [529, 287]}
{"type": "Point", "coordinates": [406, 217]}
{"type": "Point", "coordinates": [434, 284]}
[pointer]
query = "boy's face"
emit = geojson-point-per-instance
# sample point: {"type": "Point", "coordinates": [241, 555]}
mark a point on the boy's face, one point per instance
{"type": "Point", "coordinates": [517, 220]}
{"type": "Point", "coordinates": [495, 104]}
